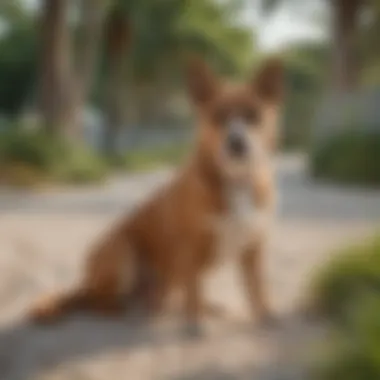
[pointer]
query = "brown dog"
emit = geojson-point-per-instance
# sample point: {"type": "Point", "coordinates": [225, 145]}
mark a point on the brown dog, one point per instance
{"type": "Point", "coordinates": [221, 203]}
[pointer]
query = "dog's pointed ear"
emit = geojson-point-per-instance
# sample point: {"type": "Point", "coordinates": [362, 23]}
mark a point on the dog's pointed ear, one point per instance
{"type": "Point", "coordinates": [201, 81]}
{"type": "Point", "coordinates": [269, 81]}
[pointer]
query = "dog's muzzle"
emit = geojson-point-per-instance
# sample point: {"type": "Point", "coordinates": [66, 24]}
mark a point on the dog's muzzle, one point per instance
{"type": "Point", "coordinates": [236, 145]}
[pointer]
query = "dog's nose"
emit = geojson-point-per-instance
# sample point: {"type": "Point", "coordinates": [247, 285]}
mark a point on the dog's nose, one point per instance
{"type": "Point", "coordinates": [236, 145]}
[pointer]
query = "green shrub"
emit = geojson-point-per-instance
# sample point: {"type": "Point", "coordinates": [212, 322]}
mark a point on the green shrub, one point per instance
{"type": "Point", "coordinates": [350, 157]}
{"type": "Point", "coordinates": [28, 157]}
{"type": "Point", "coordinates": [347, 291]}
{"type": "Point", "coordinates": [34, 148]}
{"type": "Point", "coordinates": [344, 280]}
{"type": "Point", "coordinates": [353, 352]}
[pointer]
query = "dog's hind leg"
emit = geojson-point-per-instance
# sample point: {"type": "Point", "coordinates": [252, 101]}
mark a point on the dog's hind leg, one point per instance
{"type": "Point", "coordinates": [110, 276]}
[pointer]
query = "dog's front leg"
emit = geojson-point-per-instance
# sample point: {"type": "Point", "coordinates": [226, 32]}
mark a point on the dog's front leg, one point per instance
{"type": "Point", "coordinates": [193, 296]}
{"type": "Point", "coordinates": [193, 300]}
{"type": "Point", "coordinates": [252, 271]}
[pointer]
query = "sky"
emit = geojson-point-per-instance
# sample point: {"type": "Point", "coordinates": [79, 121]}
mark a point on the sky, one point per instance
{"type": "Point", "coordinates": [287, 25]}
{"type": "Point", "coordinates": [283, 27]}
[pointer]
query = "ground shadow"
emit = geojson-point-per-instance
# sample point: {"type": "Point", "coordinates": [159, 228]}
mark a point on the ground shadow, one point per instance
{"type": "Point", "coordinates": [26, 349]}
{"type": "Point", "coordinates": [294, 342]}
{"type": "Point", "coordinates": [272, 372]}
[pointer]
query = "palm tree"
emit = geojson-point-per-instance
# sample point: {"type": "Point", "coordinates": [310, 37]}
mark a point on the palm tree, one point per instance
{"type": "Point", "coordinates": [64, 80]}
{"type": "Point", "coordinates": [55, 62]}
{"type": "Point", "coordinates": [90, 33]}
{"type": "Point", "coordinates": [345, 49]}
{"type": "Point", "coordinates": [117, 46]}
{"type": "Point", "coordinates": [345, 66]}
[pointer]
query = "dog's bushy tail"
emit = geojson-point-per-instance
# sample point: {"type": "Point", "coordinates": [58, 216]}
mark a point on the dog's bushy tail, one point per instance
{"type": "Point", "coordinates": [110, 277]}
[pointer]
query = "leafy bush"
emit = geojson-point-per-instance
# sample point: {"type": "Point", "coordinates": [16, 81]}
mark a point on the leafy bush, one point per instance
{"type": "Point", "coordinates": [352, 352]}
{"type": "Point", "coordinates": [344, 280]}
{"type": "Point", "coordinates": [33, 154]}
{"type": "Point", "coordinates": [347, 291]}
{"type": "Point", "coordinates": [36, 149]}
{"type": "Point", "coordinates": [349, 157]}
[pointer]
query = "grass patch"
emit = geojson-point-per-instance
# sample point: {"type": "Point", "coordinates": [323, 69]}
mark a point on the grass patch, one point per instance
{"type": "Point", "coordinates": [149, 159]}
{"type": "Point", "coordinates": [82, 166]}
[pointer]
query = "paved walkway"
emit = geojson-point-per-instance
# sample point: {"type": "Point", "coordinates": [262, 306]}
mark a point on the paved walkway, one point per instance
{"type": "Point", "coordinates": [43, 239]}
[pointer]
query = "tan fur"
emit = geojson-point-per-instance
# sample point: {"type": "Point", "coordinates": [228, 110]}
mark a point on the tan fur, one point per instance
{"type": "Point", "coordinates": [170, 241]}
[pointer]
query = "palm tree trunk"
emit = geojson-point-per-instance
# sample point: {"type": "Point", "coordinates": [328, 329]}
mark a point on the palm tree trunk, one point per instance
{"type": "Point", "coordinates": [64, 87]}
{"type": "Point", "coordinates": [115, 102]}
{"type": "Point", "coordinates": [55, 64]}
{"type": "Point", "coordinates": [345, 58]}
{"type": "Point", "coordinates": [118, 43]}
{"type": "Point", "coordinates": [91, 29]}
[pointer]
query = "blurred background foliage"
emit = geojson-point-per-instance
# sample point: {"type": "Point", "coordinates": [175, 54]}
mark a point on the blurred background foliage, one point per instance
{"type": "Point", "coordinates": [93, 71]}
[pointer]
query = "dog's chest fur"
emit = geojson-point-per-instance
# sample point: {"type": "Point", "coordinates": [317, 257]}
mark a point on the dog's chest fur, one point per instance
{"type": "Point", "coordinates": [242, 223]}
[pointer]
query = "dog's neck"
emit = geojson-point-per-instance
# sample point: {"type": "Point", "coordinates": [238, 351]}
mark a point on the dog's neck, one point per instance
{"type": "Point", "coordinates": [258, 188]}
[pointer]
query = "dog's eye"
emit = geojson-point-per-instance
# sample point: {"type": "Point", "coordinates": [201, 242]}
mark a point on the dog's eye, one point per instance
{"type": "Point", "coordinates": [251, 116]}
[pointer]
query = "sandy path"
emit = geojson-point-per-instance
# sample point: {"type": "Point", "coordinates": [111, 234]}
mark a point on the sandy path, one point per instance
{"type": "Point", "coordinates": [43, 239]}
